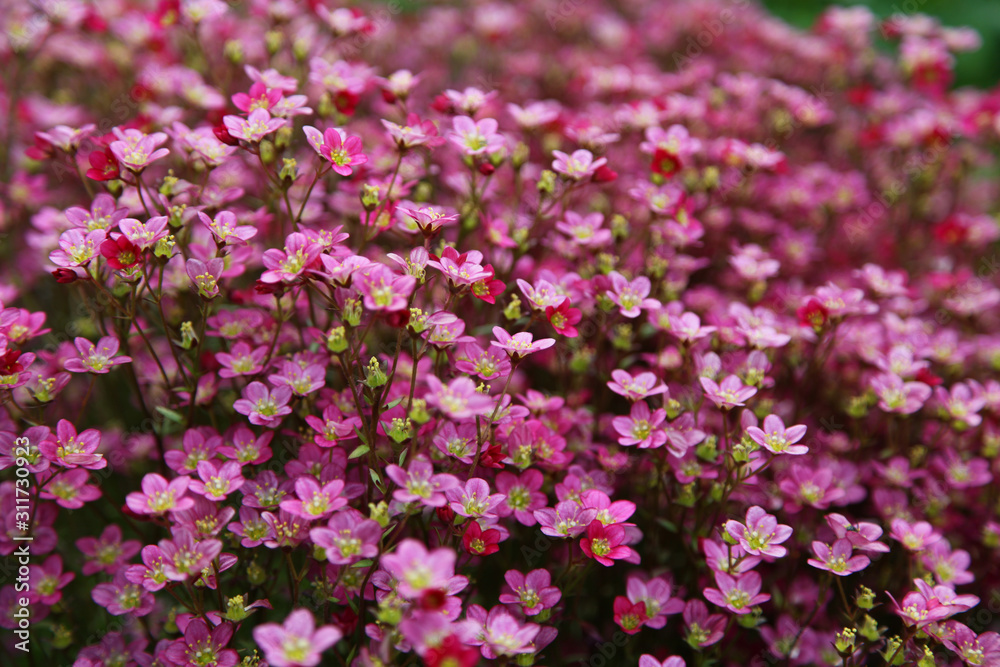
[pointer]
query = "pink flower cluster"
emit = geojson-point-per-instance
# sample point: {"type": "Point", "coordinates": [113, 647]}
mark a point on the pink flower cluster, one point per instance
{"type": "Point", "coordinates": [523, 333]}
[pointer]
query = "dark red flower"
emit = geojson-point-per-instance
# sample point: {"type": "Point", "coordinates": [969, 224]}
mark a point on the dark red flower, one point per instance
{"type": "Point", "coordinates": [121, 253]}
{"type": "Point", "coordinates": [451, 652]}
{"type": "Point", "coordinates": [666, 163]}
{"type": "Point", "coordinates": [562, 318]}
{"type": "Point", "coordinates": [65, 276]}
{"type": "Point", "coordinates": [103, 166]}
{"type": "Point", "coordinates": [605, 174]}
{"type": "Point", "coordinates": [479, 542]}
{"type": "Point", "coordinates": [813, 314]}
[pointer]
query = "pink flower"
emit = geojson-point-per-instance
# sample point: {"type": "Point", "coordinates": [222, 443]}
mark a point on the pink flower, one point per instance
{"type": "Point", "coordinates": [897, 396]}
{"type": "Point", "coordinates": [473, 499]}
{"type": "Point", "coordinates": [776, 439]}
{"type": "Point", "coordinates": [159, 496]}
{"type": "Point", "coordinates": [264, 407]}
{"type": "Point", "coordinates": [641, 427]}
{"type": "Point", "coordinates": [297, 642]}
{"type": "Point", "coordinates": [488, 364]}
{"type": "Point", "coordinates": [578, 166]}
{"type": "Point", "coordinates": [657, 596]}
{"type": "Point", "coordinates": [69, 488]}
{"type": "Point", "coordinates": [421, 572]}
{"type": "Point", "coordinates": [217, 481]}
{"type": "Point", "coordinates": [347, 537]}
{"type": "Point", "coordinates": [342, 151]}
{"type": "Point", "coordinates": [144, 236]}
{"type": "Point", "coordinates": [151, 574]}
{"type": "Point", "coordinates": [138, 152]}
{"type": "Point", "coordinates": [532, 592]}
{"type": "Point", "coordinates": [519, 345]}
{"type": "Point", "coordinates": [499, 633]}
{"type": "Point", "coordinates": [458, 399]}
{"type": "Point", "coordinates": [226, 230]}
{"type": "Point", "coordinates": [107, 553]}
{"type": "Point", "coordinates": [254, 127]}
{"type": "Point", "coordinates": [630, 616]}
{"type": "Point", "coordinates": [71, 449]}
{"type": "Point", "coordinates": [184, 557]}
{"type": "Point", "coordinates": [383, 290]}
{"type": "Point", "coordinates": [98, 358]}
{"type": "Point", "coordinates": [476, 138]}
{"type": "Point", "coordinates": [631, 296]}
{"type": "Point", "coordinates": [522, 495]}
{"type": "Point", "coordinates": [205, 275]}
{"type": "Point", "coordinates": [737, 594]}
{"type": "Point", "coordinates": [647, 660]}
{"type": "Point", "coordinates": [123, 597]}
{"type": "Point", "coordinates": [301, 380]}
{"type": "Point", "coordinates": [730, 393]}
{"type": "Point", "coordinates": [585, 230]}
{"type": "Point", "coordinates": [915, 537]}
{"type": "Point", "coordinates": [420, 484]}
{"type": "Point", "coordinates": [761, 534]}
{"type": "Point", "coordinates": [48, 579]}
{"type": "Point", "coordinates": [199, 646]}
{"type": "Point", "coordinates": [288, 264]}
{"type": "Point", "coordinates": [642, 385]}
{"type": "Point", "coordinates": [837, 559]}
{"type": "Point", "coordinates": [703, 629]}
{"type": "Point", "coordinates": [863, 536]}
{"type": "Point", "coordinates": [241, 360]}
{"type": "Point", "coordinates": [567, 519]}
{"type": "Point", "coordinates": [315, 501]}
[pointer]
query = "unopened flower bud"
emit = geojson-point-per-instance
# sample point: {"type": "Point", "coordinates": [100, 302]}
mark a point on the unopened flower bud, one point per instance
{"type": "Point", "coordinates": [865, 598]}
{"type": "Point", "coordinates": [400, 430]}
{"type": "Point", "coordinates": [374, 375]}
{"type": "Point", "coordinates": [256, 574]}
{"type": "Point", "coordinates": [844, 641]}
{"type": "Point", "coordinates": [273, 40]}
{"type": "Point", "coordinates": [370, 196]}
{"type": "Point", "coordinates": [235, 609]}
{"type": "Point", "coordinates": [165, 246]}
{"type": "Point", "coordinates": [868, 628]}
{"type": "Point", "coordinates": [289, 170]}
{"type": "Point", "coordinates": [547, 181]}
{"type": "Point", "coordinates": [418, 411]}
{"type": "Point", "coordinates": [336, 340]}
{"type": "Point", "coordinates": [233, 51]}
{"type": "Point", "coordinates": [267, 153]}
{"type": "Point", "coordinates": [188, 336]}
{"type": "Point", "coordinates": [513, 309]}
{"type": "Point", "coordinates": [673, 408]}
{"type": "Point", "coordinates": [379, 513]}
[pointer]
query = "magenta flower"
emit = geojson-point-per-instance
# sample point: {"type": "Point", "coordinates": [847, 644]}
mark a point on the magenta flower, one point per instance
{"type": "Point", "coordinates": [631, 296]}
{"type": "Point", "coordinates": [301, 380]}
{"type": "Point", "coordinates": [519, 345]}
{"type": "Point", "coordinates": [184, 557]}
{"type": "Point", "coordinates": [630, 616]}
{"type": "Point", "coordinates": [522, 495]}
{"type": "Point", "coordinates": [777, 439]}
{"type": "Point", "coordinates": [657, 596]}
{"type": "Point", "coordinates": [384, 290]}
{"type": "Point", "coordinates": [123, 597]}
{"type": "Point", "coordinates": [144, 235]}
{"type": "Point", "coordinates": [288, 264]}
{"type": "Point", "coordinates": [137, 152]}
{"type": "Point", "coordinates": [578, 166]}
{"type": "Point", "coordinates": [488, 364]}
{"type": "Point", "coordinates": [205, 275]}
{"type": "Point", "coordinates": [532, 592]}
{"type": "Point", "coordinates": [897, 396]}
{"type": "Point", "coordinates": [982, 650]}
{"type": "Point", "coordinates": [641, 427]}
{"type": "Point", "coordinates": [71, 450]}
{"type": "Point", "coordinates": [347, 537]}
{"type": "Point", "coordinates": [420, 571]}
{"type": "Point", "coordinates": [217, 480]}
{"type": "Point", "coordinates": [647, 660]}
{"type": "Point", "coordinates": [200, 646]}
{"type": "Point", "coordinates": [458, 399]}
{"type": "Point", "coordinates": [69, 488]}
{"type": "Point", "coordinates": [863, 536]}
{"type": "Point", "coordinates": [737, 594]}
{"type": "Point", "coordinates": [730, 393]}
{"type": "Point", "coordinates": [264, 407]}
{"type": "Point", "coordinates": [315, 501]}
{"type": "Point", "coordinates": [342, 151]}
{"type": "Point", "coordinates": [226, 230]}
{"type": "Point", "coordinates": [634, 388]}
{"type": "Point", "coordinates": [476, 137]}
{"type": "Point", "coordinates": [585, 230]}
{"type": "Point", "coordinates": [107, 553]}
{"type": "Point", "coordinates": [499, 633]}
{"type": "Point", "coordinates": [567, 519]}
{"type": "Point", "coordinates": [473, 499]}
{"type": "Point", "coordinates": [98, 358]}
{"type": "Point", "coordinates": [420, 483]}
{"type": "Point", "coordinates": [702, 629]}
{"type": "Point", "coordinates": [915, 537]}
{"type": "Point", "coordinates": [837, 559]}
{"type": "Point", "coordinates": [761, 534]}
{"type": "Point", "coordinates": [77, 247]}
{"type": "Point", "coordinates": [151, 574]}
{"type": "Point", "coordinates": [48, 579]}
{"type": "Point", "coordinates": [242, 360]}
{"type": "Point", "coordinates": [254, 127]}
{"type": "Point", "coordinates": [297, 642]}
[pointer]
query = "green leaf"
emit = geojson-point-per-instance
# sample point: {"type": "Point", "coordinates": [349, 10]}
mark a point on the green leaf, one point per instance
{"type": "Point", "coordinates": [375, 478]}
{"type": "Point", "coordinates": [361, 436]}
{"type": "Point", "coordinates": [667, 524]}
{"type": "Point", "coordinates": [172, 415]}
{"type": "Point", "coordinates": [402, 456]}
{"type": "Point", "coordinates": [361, 450]}
{"type": "Point", "coordinates": [367, 562]}
{"type": "Point", "coordinates": [394, 403]}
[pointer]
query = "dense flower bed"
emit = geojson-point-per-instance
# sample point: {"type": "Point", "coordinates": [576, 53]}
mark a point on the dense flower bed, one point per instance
{"type": "Point", "coordinates": [578, 333]}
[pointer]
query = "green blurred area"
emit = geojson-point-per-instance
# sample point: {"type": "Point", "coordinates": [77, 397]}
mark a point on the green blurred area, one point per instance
{"type": "Point", "coordinates": [980, 68]}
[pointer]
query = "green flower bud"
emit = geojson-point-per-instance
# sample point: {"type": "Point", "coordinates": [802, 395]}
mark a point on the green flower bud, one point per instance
{"type": "Point", "coordinates": [865, 598]}
{"type": "Point", "coordinates": [336, 340]}
{"type": "Point", "coordinates": [707, 450]}
{"type": "Point", "coordinates": [352, 311]}
{"type": "Point", "coordinates": [289, 170]}
{"type": "Point", "coordinates": [401, 430]}
{"type": "Point", "coordinates": [673, 408]}
{"type": "Point", "coordinates": [582, 360]}
{"type": "Point", "coordinates": [235, 609]}
{"type": "Point", "coordinates": [844, 641]}
{"type": "Point", "coordinates": [256, 574]}
{"type": "Point", "coordinates": [188, 336]}
{"type": "Point", "coordinates": [418, 411]}
{"type": "Point", "coordinates": [513, 309]}
{"type": "Point", "coordinates": [273, 40]}
{"type": "Point", "coordinates": [868, 628]}
{"type": "Point", "coordinates": [234, 51]}
{"type": "Point", "coordinates": [370, 196]}
{"type": "Point", "coordinates": [63, 636]}
{"type": "Point", "coordinates": [165, 246]}
{"type": "Point", "coordinates": [267, 151]}
{"type": "Point", "coordinates": [547, 182]}
{"type": "Point", "coordinates": [379, 513]}
{"type": "Point", "coordinates": [520, 155]}
{"type": "Point", "coordinates": [374, 375]}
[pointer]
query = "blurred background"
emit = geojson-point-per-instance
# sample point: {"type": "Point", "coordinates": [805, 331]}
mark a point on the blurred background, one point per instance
{"type": "Point", "coordinates": [981, 68]}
